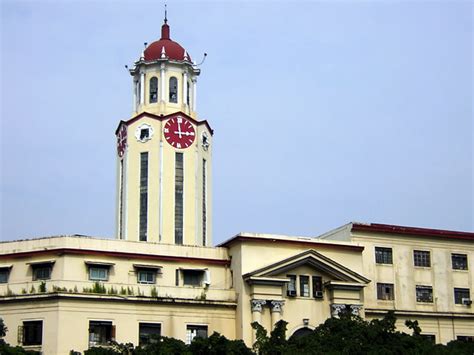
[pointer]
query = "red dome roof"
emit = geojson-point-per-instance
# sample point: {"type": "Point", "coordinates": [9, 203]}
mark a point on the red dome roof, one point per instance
{"type": "Point", "coordinates": [172, 49]}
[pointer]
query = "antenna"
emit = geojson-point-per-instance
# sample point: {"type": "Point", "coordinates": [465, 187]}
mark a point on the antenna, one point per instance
{"type": "Point", "coordinates": [202, 61]}
{"type": "Point", "coordinates": [166, 14]}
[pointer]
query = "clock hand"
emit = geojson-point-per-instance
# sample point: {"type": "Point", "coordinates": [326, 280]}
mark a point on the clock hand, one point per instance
{"type": "Point", "coordinates": [179, 131]}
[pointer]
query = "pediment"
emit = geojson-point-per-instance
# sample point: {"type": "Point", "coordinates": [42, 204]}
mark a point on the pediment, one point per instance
{"type": "Point", "coordinates": [311, 258]}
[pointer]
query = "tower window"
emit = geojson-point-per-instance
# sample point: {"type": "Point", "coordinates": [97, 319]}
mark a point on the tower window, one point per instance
{"type": "Point", "coordinates": [173, 90]}
{"type": "Point", "coordinates": [143, 195]}
{"type": "Point", "coordinates": [204, 207]}
{"type": "Point", "coordinates": [178, 199]}
{"type": "Point", "coordinates": [153, 90]}
{"type": "Point", "coordinates": [187, 93]}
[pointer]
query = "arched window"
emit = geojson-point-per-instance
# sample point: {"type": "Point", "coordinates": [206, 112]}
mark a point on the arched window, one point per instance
{"type": "Point", "coordinates": [173, 90]}
{"type": "Point", "coordinates": [153, 90]}
{"type": "Point", "coordinates": [187, 93]}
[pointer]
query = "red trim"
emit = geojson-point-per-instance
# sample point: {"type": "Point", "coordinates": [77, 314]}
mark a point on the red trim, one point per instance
{"type": "Point", "coordinates": [422, 232]}
{"type": "Point", "coordinates": [60, 251]}
{"type": "Point", "coordinates": [241, 238]}
{"type": "Point", "coordinates": [162, 118]}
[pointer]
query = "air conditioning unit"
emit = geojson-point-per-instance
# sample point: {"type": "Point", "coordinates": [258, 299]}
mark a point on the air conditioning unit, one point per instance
{"type": "Point", "coordinates": [291, 293]}
{"type": "Point", "coordinates": [318, 294]}
{"type": "Point", "coordinates": [466, 301]}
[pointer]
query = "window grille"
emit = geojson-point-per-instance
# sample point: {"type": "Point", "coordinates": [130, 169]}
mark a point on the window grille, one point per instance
{"type": "Point", "coordinates": [143, 196]}
{"type": "Point", "coordinates": [178, 198]}
{"type": "Point", "coordinates": [385, 291]}
{"type": "Point", "coordinates": [383, 255]}
{"type": "Point", "coordinates": [459, 261]}
{"type": "Point", "coordinates": [421, 258]}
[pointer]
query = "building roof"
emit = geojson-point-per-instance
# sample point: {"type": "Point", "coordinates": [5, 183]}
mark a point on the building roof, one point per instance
{"type": "Point", "coordinates": [286, 239]}
{"type": "Point", "coordinates": [165, 48]}
{"type": "Point", "coordinates": [413, 231]}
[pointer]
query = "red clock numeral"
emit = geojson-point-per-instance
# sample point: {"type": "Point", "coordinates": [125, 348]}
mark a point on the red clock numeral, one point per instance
{"type": "Point", "coordinates": [179, 132]}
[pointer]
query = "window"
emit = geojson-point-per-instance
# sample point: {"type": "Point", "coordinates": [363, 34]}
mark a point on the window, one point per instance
{"type": "Point", "coordinates": [459, 261]}
{"type": "Point", "coordinates": [193, 277]}
{"type": "Point", "coordinates": [31, 333]}
{"type": "Point", "coordinates": [4, 273]}
{"type": "Point", "coordinates": [153, 90]}
{"type": "Point", "coordinates": [98, 273]}
{"type": "Point", "coordinates": [291, 288]}
{"type": "Point", "coordinates": [421, 258]}
{"type": "Point", "coordinates": [148, 333]}
{"type": "Point", "coordinates": [385, 292]}
{"type": "Point", "coordinates": [143, 195]}
{"type": "Point", "coordinates": [383, 255]}
{"type": "Point", "coordinates": [144, 134]}
{"type": "Point", "coordinates": [317, 287]}
{"type": "Point", "coordinates": [187, 93]}
{"type": "Point", "coordinates": [193, 331]}
{"type": "Point", "coordinates": [304, 286]}
{"type": "Point", "coordinates": [424, 294]}
{"type": "Point", "coordinates": [42, 271]}
{"type": "Point", "coordinates": [178, 199]}
{"type": "Point", "coordinates": [459, 294]}
{"type": "Point", "coordinates": [173, 90]}
{"type": "Point", "coordinates": [430, 337]}
{"type": "Point", "coordinates": [204, 207]}
{"type": "Point", "coordinates": [465, 338]}
{"type": "Point", "coordinates": [101, 333]}
{"type": "Point", "coordinates": [146, 276]}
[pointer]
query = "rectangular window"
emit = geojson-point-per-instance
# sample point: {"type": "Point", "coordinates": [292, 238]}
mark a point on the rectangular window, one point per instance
{"type": "Point", "coordinates": [143, 195]}
{"type": "Point", "coordinates": [120, 212]}
{"type": "Point", "coordinates": [178, 199]}
{"type": "Point", "coordinates": [424, 294]}
{"type": "Point", "coordinates": [204, 207]}
{"type": "Point", "coordinates": [421, 258]}
{"type": "Point", "coordinates": [101, 333]}
{"type": "Point", "coordinates": [429, 337]}
{"type": "Point", "coordinates": [4, 274]}
{"type": "Point", "coordinates": [460, 294]}
{"type": "Point", "coordinates": [385, 292]}
{"type": "Point", "coordinates": [317, 287]}
{"type": "Point", "coordinates": [291, 287]}
{"type": "Point", "coordinates": [146, 276]}
{"type": "Point", "coordinates": [98, 273]}
{"type": "Point", "coordinates": [304, 286]}
{"type": "Point", "coordinates": [383, 255]}
{"type": "Point", "coordinates": [459, 261]}
{"type": "Point", "coordinates": [148, 333]}
{"type": "Point", "coordinates": [465, 338]}
{"type": "Point", "coordinates": [42, 272]}
{"type": "Point", "coordinates": [33, 332]}
{"type": "Point", "coordinates": [193, 277]}
{"type": "Point", "coordinates": [193, 331]}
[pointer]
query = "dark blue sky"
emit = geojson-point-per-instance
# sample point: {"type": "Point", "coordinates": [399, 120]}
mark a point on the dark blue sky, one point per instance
{"type": "Point", "coordinates": [324, 112]}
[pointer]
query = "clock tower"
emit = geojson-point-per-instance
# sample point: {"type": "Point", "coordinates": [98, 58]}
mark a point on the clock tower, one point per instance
{"type": "Point", "coordinates": [164, 174]}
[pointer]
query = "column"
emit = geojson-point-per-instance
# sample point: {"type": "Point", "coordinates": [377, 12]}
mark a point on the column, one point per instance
{"type": "Point", "coordinates": [162, 79]}
{"type": "Point", "coordinates": [336, 309]}
{"type": "Point", "coordinates": [256, 306]}
{"type": "Point", "coordinates": [134, 96]}
{"type": "Point", "coordinates": [142, 88]}
{"type": "Point", "coordinates": [194, 94]}
{"type": "Point", "coordinates": [355, 309]}
{"type": "Point", "coordinates": [185, 89]}
{"type": "Point", "coordinates": [276, 310]}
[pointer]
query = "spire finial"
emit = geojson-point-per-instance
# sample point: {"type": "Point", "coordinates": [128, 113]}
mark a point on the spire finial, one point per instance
{"type": "Point", "coordinates": [166, 14]}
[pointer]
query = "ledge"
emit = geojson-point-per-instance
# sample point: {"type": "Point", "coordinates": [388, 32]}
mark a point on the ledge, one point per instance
{"type": "Point", "coordinates": [117, 298]}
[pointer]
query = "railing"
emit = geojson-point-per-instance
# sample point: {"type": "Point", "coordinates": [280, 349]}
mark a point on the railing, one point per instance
{"type": "Point", "coordinates": [125, 290]}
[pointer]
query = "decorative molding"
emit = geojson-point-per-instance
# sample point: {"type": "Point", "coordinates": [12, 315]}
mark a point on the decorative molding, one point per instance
{"type": "Point", "coordinates": [337, 308]}
{"type": "Point", "coordinates": [277, 306]}
{"type": "Point", "coordinates": [257, 305]}
{"type": "Point", "coordinates": [355, 309]}
{"type": "Point", "coordinates": [139, 130]}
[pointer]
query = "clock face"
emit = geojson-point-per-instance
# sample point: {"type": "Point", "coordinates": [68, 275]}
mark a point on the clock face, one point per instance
{"type": "Point", "coordinates": [179, 132]}
{"type": "Point", "coordinates": [122, 140]}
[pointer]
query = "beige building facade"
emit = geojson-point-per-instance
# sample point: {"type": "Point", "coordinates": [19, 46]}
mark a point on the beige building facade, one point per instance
{"type": "Point", "coordinates": [162, 276]}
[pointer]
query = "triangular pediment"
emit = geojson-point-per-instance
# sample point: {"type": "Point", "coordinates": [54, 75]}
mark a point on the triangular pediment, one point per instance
{"type": "Point", "coordinates": [312, 259]}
